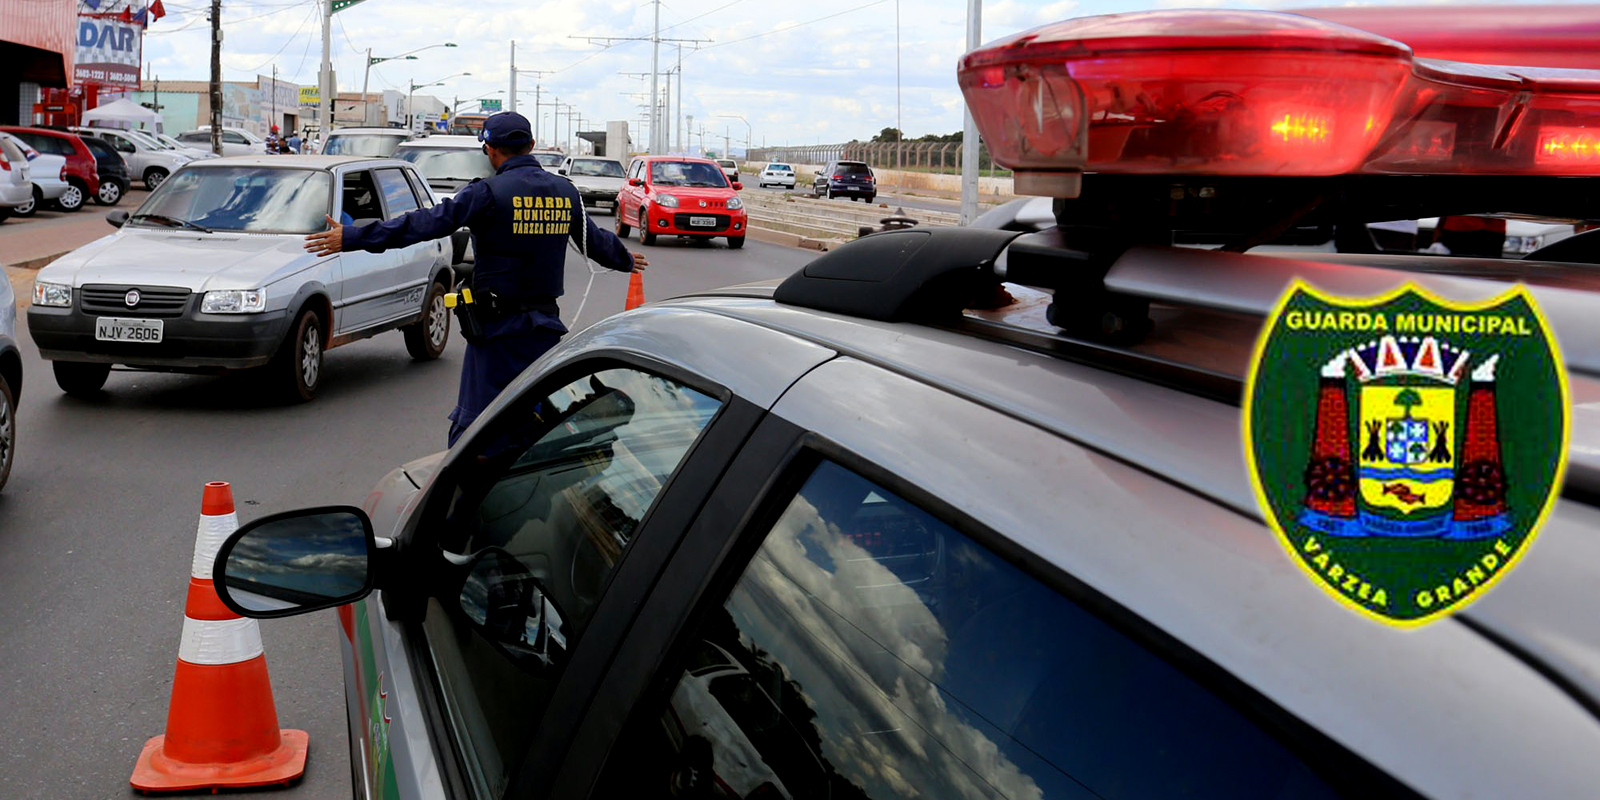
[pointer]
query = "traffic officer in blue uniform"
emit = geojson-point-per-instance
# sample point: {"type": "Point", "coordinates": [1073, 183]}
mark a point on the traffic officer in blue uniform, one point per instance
{"type": "Point", "coordinates": [521, 219]}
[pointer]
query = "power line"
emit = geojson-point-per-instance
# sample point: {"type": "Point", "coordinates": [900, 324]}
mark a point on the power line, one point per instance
{"type": "Point", "coordinates": [285, 46]}
{"type": "Point", "coordinates": [797, 25]}
{"type": "Point", "coordinates": [700, 16]}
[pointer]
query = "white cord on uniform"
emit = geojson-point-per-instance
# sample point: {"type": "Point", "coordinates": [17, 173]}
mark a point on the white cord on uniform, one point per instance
{"type": "Point", "coordinates": [583, 214]}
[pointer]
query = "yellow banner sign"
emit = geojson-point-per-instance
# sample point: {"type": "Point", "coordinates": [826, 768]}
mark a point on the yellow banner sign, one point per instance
{"type": "Point", "coordinates": [310, 95]}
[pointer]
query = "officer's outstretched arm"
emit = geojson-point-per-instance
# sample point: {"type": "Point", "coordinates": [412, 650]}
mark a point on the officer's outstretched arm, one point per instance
{"type": "Point", "coordinates": [421, 225]}
{"type": "Point", "coordinates": [605, 248]}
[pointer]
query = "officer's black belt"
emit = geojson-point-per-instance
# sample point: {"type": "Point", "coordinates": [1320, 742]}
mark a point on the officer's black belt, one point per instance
{"type": "Point", "coordinates": [502, 305]}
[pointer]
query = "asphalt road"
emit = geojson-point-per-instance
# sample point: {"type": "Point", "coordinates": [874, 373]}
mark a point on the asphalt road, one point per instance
{"type": "Point", "coordinates": [97, 528]}
{"type": "Point", "coordinates": [909, 202]}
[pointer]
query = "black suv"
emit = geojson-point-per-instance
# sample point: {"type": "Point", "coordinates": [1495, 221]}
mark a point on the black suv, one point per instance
{"type": "Point", "coordinates": [113, 171]}
{"type": "Point", "coordinates": [852, 179]}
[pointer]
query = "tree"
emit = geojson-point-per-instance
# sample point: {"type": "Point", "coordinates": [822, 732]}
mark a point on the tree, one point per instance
{"type": "Point", "coordinates": [888, 135]}
{"type": "Point", "coordinates": [1406, 399]}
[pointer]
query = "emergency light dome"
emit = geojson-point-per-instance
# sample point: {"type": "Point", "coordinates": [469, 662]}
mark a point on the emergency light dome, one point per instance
{"type": "Point", "coordinates": [1264, 93]}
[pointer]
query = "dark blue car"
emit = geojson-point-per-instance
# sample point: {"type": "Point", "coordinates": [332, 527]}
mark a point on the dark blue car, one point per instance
{"type": "Point", "coordinates": [852, 179]}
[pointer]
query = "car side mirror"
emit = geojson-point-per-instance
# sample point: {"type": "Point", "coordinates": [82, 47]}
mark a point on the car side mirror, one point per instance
{"type": "Point", "coordinates": [635, 181]}
{"type": "Point", "coordinates": [511, 609]}
{"type": "Point", "coordinates": [561, 171]}
{"type": "Point", "coordinates": [296, 562]}
{"type": "Point", "coordinates": [117, 218]}
{"type": "Point", "coordinates": [737, 186]}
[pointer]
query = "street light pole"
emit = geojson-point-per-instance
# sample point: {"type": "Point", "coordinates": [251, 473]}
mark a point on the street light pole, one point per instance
{"type": "Point", "coordinates": [969, 132]}
{"type": "Point", "coordinates": [327, 69]}
{"type": "Point", "coordinates": [748, 131]}
{"type": "Point", "coordinates": [366, 77]}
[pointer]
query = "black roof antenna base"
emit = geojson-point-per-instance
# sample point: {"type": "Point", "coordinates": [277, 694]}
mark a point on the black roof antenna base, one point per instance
{"type": "Point", "coordinates": [917, 273]}
{"type": "Point", "coordinates": [1072, 264]}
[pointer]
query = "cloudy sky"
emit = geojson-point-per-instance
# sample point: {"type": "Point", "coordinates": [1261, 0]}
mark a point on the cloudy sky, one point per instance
{"type": "Point", "coordinates": [813, 72]}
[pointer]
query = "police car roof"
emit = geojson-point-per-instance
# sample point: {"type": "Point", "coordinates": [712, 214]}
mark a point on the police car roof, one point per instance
{"type": "Point", "coordinates": [293, 161]}
{"type": "Point", "coordinates": [1210, 573]}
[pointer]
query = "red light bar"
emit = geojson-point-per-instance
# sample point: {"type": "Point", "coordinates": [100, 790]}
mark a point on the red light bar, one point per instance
{"type": "Point", "coordinates": [1262, 93]}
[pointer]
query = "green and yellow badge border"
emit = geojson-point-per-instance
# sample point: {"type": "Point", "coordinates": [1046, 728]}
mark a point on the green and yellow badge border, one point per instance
{"type": "Point", "coordinates": [1257, 355]}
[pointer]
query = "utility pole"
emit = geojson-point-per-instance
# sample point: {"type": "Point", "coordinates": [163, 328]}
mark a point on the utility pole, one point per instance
{"type": "Point", "coordinates": [514, 86]}
{"type": "Point", "coordinates": [689, 122]}
{"type": "Point", "coordinates": [366, 77]}
{"type": "Point", "coordinates": [272, 103]}
{"type": "Point", "coordinates": [216, 76]}
{"type": "Point", "coordinates": [969, 133]}
{"type": "Point", "coordinates": [659, 139]}
{"type": "Point", "coordinates": [538, 95]}
{"type": "Point", "coordinates": [899, 132]}
{"type": "Point", "coordinates": [327, 69]}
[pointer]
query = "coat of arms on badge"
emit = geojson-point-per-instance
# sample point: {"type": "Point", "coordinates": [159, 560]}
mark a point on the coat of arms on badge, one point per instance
{"type": "Point", "coordinates": [1406, 448]}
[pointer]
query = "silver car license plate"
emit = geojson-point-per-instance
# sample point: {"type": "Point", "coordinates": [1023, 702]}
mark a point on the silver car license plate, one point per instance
{"type": "Point", "coordinates": [703, 222]}
{"type": "Point", "coordinates": [117, 329]}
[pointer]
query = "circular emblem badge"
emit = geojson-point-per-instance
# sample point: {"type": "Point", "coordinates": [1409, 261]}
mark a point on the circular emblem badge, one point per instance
{"type": "Point", "coordinates": [703, 204]}
{"type": "Point", "coordinates": [131, 298]}
{"type": "Point", "coordinates": [1406, 448]}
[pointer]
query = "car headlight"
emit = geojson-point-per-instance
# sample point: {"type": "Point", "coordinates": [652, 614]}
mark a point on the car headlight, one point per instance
{"type": "Point", "coordinates": [234, 301]}
{"type": "Point", "coordinates": [57, 295]}
{"type": "Point", "coordinates": [585, 189]}
{"type": "Point", "coordinates": [734, 204]}
{"type": "Point", "coordinates": [666, 201]}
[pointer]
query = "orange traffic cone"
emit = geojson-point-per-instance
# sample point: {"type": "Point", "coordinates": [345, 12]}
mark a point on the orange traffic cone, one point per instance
{"type": "Point", "coordinates": [222, 728]}
{"type": "Point", "coordinates": [635, 291]}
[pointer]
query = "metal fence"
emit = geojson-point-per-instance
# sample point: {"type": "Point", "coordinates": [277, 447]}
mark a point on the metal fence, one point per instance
{"type": "Point", "coordinates": [940, 157]}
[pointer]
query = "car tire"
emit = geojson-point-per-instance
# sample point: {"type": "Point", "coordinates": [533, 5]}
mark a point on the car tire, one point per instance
{"type": "Point", "coordinates": [110, 193]}
{"type": "Point", "coordinates": [73, 199]}
{"type": "Point", "coordinates": [735, 242]}
{"type": "Point", "coordinates": [31, 207]}
{"type": "Point", "coordinates": [645, 236]}
{"type": "Point", "coordinates": [816, 190]}
{"type": "Point", "coordinates": [623, 228]}
{"type": "Point", "coordinates": [427, 337]}
{"type": "Point", "coordinates": [5, 213]}
{"type": "Point", "coordinates": [8, 430]}
{"type": "Point", "coordinates": [297, 368]}
{"type": "Point", "coordinates": [78, 378]}
{"type": "Point", "coordinates": [153, 178]}
{"type": "Point", "coordinates": [830, 194]}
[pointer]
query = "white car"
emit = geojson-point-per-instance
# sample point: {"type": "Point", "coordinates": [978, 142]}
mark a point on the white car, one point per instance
{"type": "Point", "coordinates": [210, 274]}
{"type": "Point", "coordinates": [173, 144]}
{"type": "Point", "coordinates": [730, 168]}
{"type": "Point", "coordinates": [369, 142]}
{"type": "Point", "coordinates": [448, 163]}
{"type": "Point", "coordinates": [50, 185]}
{"type": "Point", "coordinates": [10, 375]}
{"type": "Point", "coordinates": [16, 174]}
{"type": "Point", "coordinates": [235, 141]}
{"type": "Point", "coordinates": [598, 180]}
{"type": "Point", "coordinates": [147, 159]}
{"type": "Point", "coordinates": [549, 159]}
{"type": "Point", "coordinates": [776, 175]}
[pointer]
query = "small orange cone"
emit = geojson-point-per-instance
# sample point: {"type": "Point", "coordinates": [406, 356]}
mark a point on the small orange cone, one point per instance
{"type": "Point", "coordinates": [222, 727]}
{"type": "Point", "coordinates": [635, 291]}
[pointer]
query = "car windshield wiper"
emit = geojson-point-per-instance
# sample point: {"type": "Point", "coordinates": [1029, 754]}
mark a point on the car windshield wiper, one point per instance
{"type": "Point", "coordinates": [171, 222]}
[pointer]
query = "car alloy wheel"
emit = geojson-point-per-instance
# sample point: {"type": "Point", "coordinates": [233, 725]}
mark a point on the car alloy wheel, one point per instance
{"type": "Point", "coordinates": [311, 356]}
{"type": "Point", "coordinates": [27, 209]}
{"type": "Point", "coordinates": [297, 368]}
{"type": "Point", "coordinates": [8, 431]}
{"type": "Point", "coordinates": [426, 338]}
{"type": "Point", "coordinates": [153, 179]}
{"type": "Point", "coordinates": [72, 199]}
{"type": "Point", "coordinates": [110, 193]}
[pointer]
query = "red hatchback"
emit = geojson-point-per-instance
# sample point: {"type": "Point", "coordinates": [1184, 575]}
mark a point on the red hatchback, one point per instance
{"type": "Point", "coordinates": [80, 171]}
{"type": "Point", "coordinates": [677, 196]}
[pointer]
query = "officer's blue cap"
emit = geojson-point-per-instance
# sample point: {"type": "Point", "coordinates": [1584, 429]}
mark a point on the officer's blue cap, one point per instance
{"type": "Point", "coordinates": [506, 129]}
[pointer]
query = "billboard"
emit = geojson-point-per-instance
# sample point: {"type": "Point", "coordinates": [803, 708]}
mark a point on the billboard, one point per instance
{"type": "Point", "coordinates": [107, 50]}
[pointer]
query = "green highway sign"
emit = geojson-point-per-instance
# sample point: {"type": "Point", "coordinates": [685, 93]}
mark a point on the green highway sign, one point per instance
{"type": "Point", "coordinates": [340, 5]}
{"type": "Point", "coordinates": [489, 105]}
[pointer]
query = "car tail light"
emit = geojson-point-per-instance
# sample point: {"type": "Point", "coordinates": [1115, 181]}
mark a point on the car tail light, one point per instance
{"type": "Point", "coordinates": [5, 163]}
{"type": "Point", "coordinates": [63, 177]}
{"type": "Point", "coordinates": [1263, 93]}
{"type": "Point", "coordinates": [837, 176]}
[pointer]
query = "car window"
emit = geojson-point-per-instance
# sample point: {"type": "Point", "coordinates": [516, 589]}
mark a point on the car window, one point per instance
{"type": "Point", "coordinates": [595, 167]}
{"type": "Point", "coordinates": [448, 163]}
{"type": "Point", "coordinates": [555, 501]}
{"type": "Point", "coordinates": [361, 196]}
{"type": "Point", "coordinates": [687, 173]}
{"type": "Point", "coordinates": [637, 170]}
{"type": "Point", "coordinates": [241, 199]}
{"type": "Point", "coordinates": [233, 138]}
{"type": "Point", "coordinates": [13, 152]}
{"type": "Point", "coordinates": [99, 147]}
{"type": "Point", "coordinates": [549, 160]}
{"type": "Point", "coordinates": [397, 196]}
{"type": "Point", "coordinates": [423, 193]}
{"type": "Point", "coordinates": [870, 650]}
{"type": "Point", "coordinates": [373, 145]}
{"type": "Point", "coordinates": [122, 145]}
{"type": "Point", "coordinates": [45, 143]}
{"type": "Point", "coordinates": [852, 169]}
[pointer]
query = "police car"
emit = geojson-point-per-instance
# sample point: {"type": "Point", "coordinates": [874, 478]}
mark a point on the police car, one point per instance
{"type": "Point", "coordinates": [965, 512]}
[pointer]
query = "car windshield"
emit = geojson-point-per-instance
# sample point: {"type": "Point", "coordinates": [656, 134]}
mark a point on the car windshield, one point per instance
{"type": "Point", "coordinates": [687, 173]}
{"type": "Point", "coordinates": [168, 142]}
{"type": "Point", "coordinates": [549, 160]}
{"type": "Point", "coordinates": [371, 145]}
{"type": "Point", "coordinates": [262, 199]}
{"type": "Point", "coordinates": [597, 167]}
{"type": "Point", "coordinates": [447, 163]}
